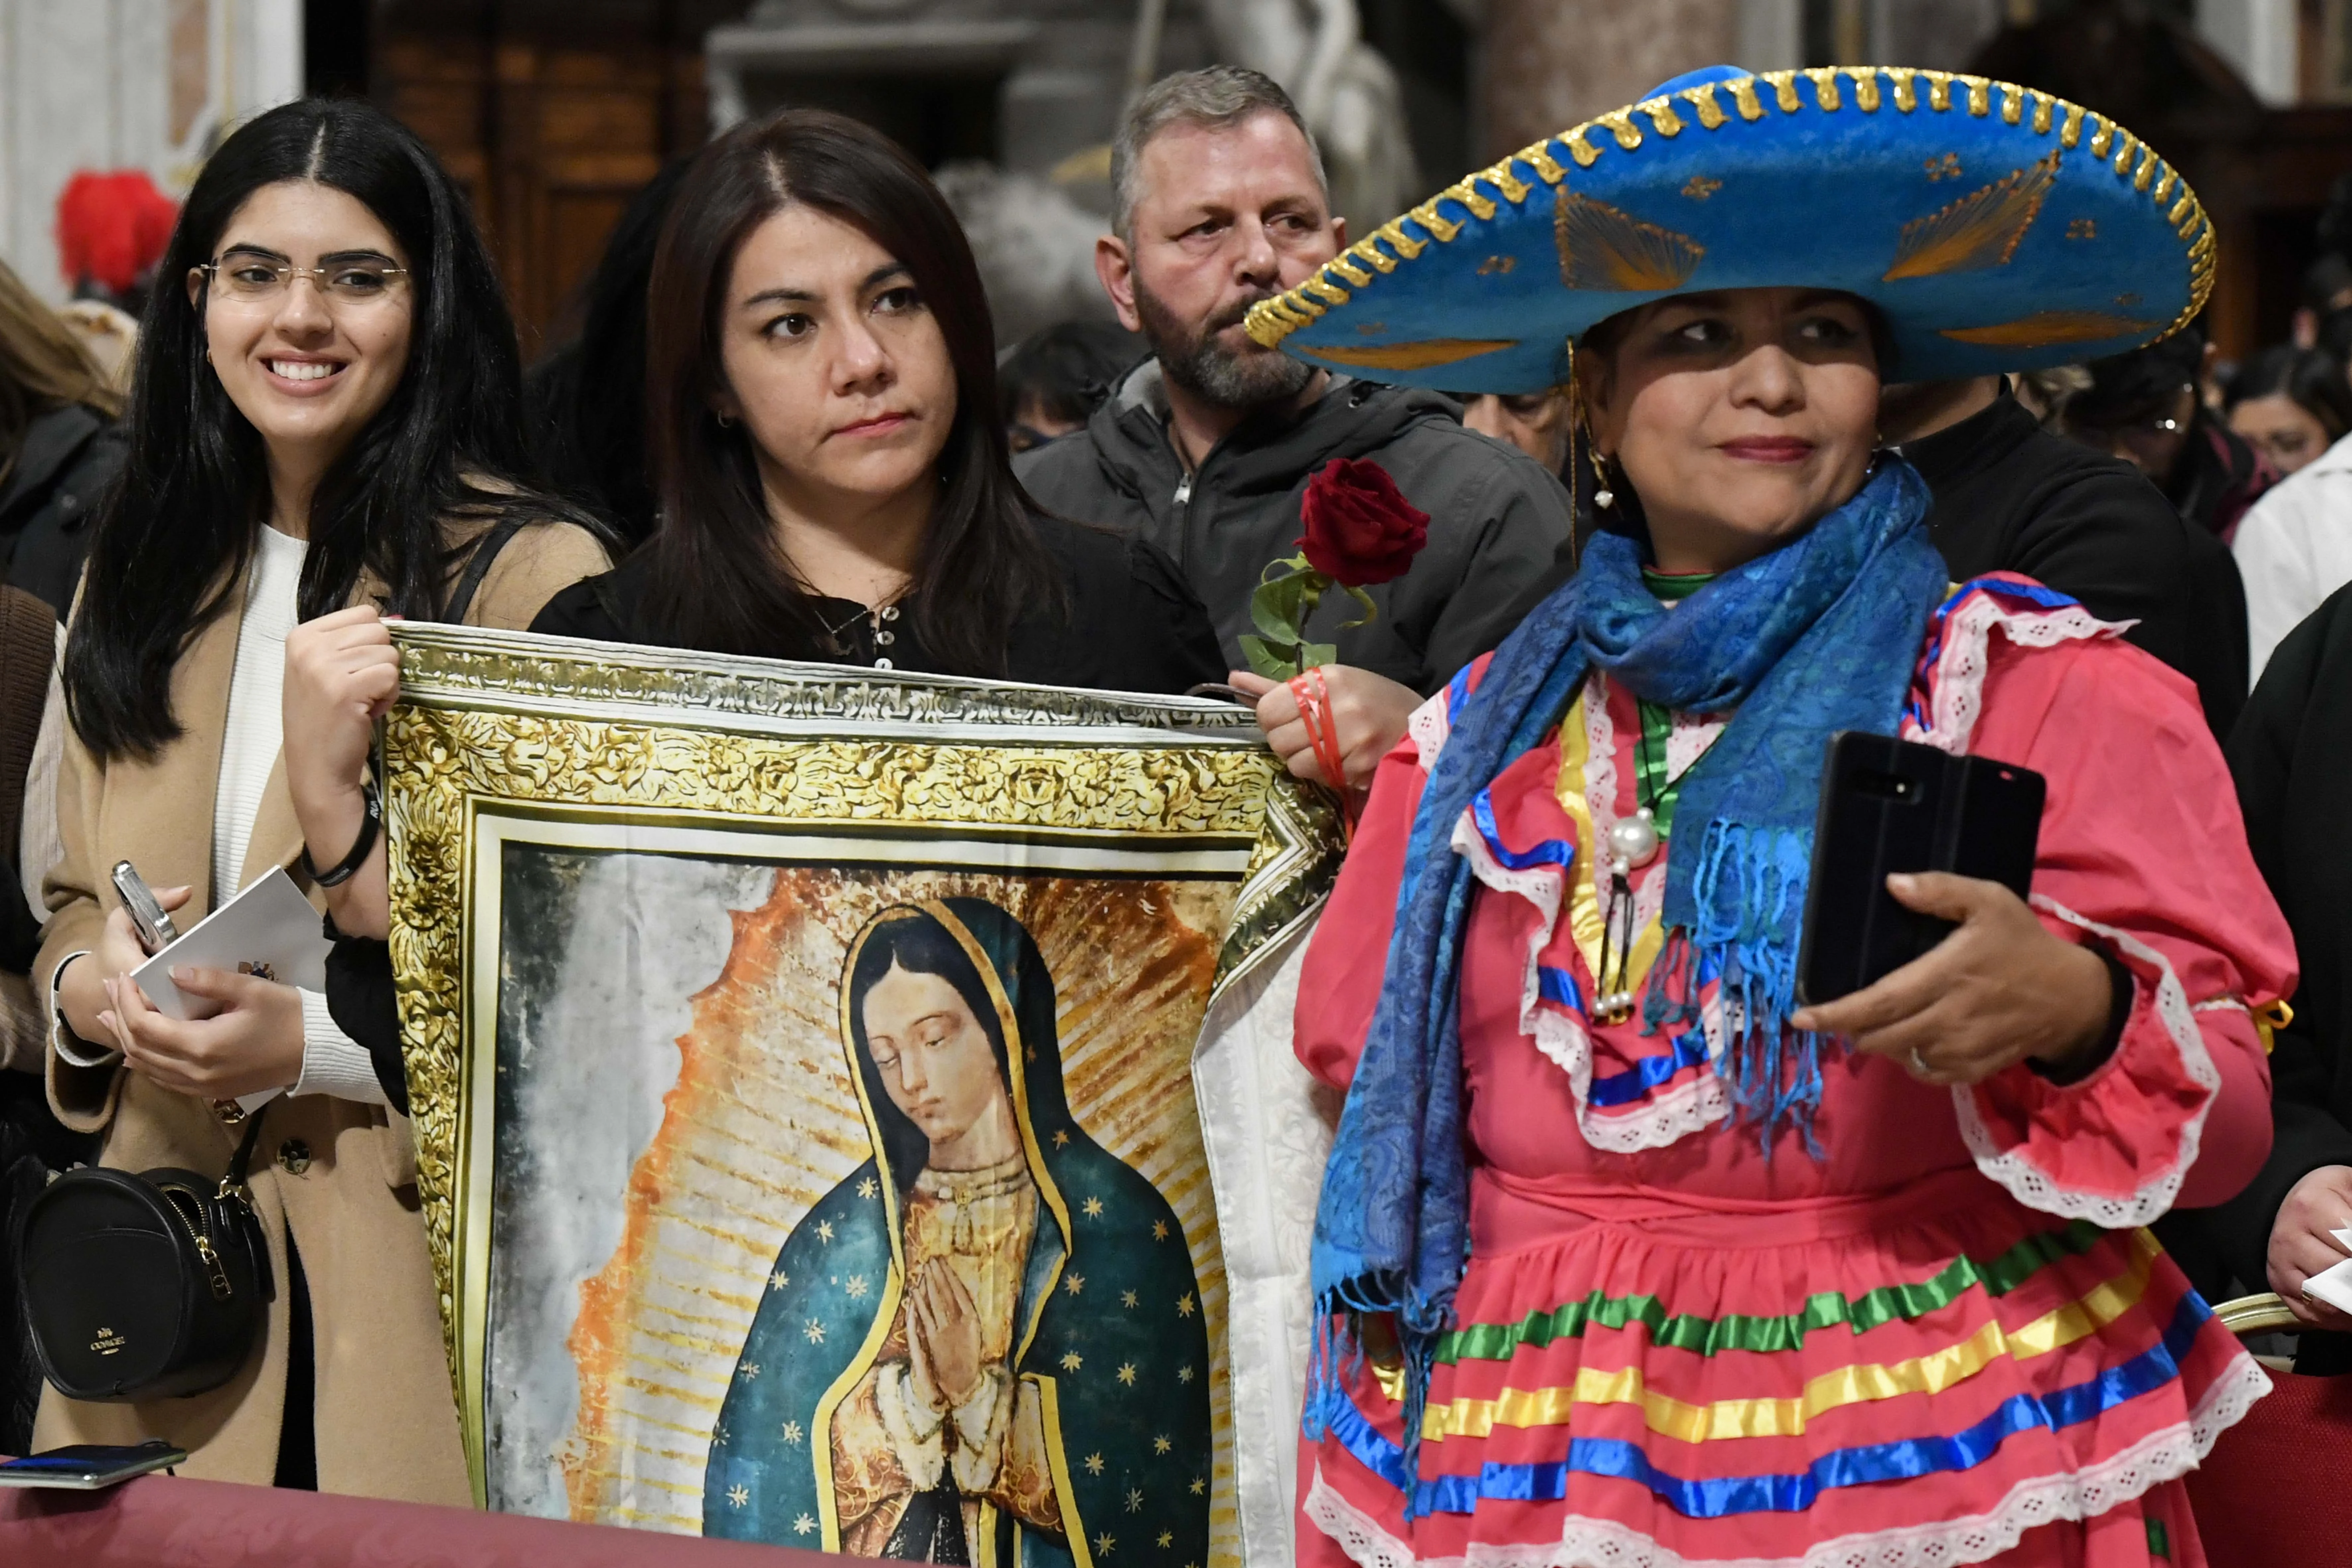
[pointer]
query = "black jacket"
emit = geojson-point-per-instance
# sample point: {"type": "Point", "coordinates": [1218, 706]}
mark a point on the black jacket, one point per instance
{"type": "Point", "coordinates": [50, 494]}
{"type": "Point", "coordinates": [1496, 518]}
{"type": "Point", "coordinates": [1131, 624]}
{"type": "Point", "coordinates": [2011, 497]}
{"type": "Point", "coordinates": [2292, 757]}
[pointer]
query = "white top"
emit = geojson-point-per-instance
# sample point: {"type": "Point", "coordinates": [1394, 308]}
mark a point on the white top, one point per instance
{"type": "Point", "coordinates": [38, 844]}
{"type": "Point", "coordinates": [256, 716]}
{"type": "Point", "coordinates": [2294, 548]}
{"type": "Point", "coordinates": [332, 1062]}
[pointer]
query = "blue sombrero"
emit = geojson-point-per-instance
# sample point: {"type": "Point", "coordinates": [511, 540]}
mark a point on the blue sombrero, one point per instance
{"type": "Point", "coordinates": [1998, 227]}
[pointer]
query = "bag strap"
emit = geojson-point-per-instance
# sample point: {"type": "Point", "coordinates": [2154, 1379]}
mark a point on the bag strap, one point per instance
{"type": "Point", "coordinates": [477, 566]}
{"type": "Point", "coordinates": [232, 1183]}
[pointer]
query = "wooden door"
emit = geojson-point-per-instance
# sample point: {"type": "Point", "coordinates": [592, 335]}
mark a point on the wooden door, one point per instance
{"type": "Point", "coordinates": [552, 117]}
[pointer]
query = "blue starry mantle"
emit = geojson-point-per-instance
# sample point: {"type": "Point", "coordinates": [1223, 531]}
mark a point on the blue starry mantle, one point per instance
{"type": "Point", "coordinates": [1998, 227]}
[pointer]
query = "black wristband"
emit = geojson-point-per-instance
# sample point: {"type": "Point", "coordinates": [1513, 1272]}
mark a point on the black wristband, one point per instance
{"type": "Point", "coordinates": [371, 821]}
{"type": "Point", "coordinates": [2121, 990]}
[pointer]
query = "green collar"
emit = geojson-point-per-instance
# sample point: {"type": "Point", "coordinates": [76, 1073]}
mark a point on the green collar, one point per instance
{"type": "Point", "coordinates": [1674, 587]}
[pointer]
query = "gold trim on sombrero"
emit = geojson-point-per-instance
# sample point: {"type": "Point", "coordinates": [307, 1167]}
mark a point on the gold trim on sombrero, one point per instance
{"type": "Point", "coordinates": [1420, 355]}
{"type": "Point", "coordinates": [2044, 328]}
{"type": "Point", "coordinates": [1603, 248]}
{"type": "Point", "coordinates": [1979, 231]}
{"type": "Point", "coordinates": [1272, 321]}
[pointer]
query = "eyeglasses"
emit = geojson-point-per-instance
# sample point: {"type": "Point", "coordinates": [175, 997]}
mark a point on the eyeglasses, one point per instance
{"type": "Point", "coordinates": [253, 280]}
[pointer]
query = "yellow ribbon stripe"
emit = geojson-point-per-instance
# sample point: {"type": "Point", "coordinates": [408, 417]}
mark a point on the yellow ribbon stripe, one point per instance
{"type": "Point", "coordinates": [2270, 1020]}
{"type": "Point", "coordinates": [1830, 1391]}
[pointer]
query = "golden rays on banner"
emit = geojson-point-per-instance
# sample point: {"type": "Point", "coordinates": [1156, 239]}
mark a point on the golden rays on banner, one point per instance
{"type": "Point", "coordinates": [800, 1062]}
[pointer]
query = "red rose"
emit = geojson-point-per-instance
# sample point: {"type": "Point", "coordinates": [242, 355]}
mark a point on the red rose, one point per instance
{"type": "Point", "coordinates": [1359, 527]}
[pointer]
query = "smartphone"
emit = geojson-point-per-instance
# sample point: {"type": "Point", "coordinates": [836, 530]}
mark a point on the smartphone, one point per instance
{"type": "Point", "coordinates": [87, 1466]}
{"type": "Point", "coordinates": [1889, 806]}
{"type": "Point", "coordinates": [155, 929]}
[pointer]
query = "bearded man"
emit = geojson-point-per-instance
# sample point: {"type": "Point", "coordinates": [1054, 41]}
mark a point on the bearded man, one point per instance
{"type": "Point", "coordinates": [1205, 449]}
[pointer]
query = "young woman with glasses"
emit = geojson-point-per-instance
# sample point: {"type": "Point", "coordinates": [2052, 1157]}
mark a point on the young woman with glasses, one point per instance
{"type": "Point", "coordinates": [326, 415]}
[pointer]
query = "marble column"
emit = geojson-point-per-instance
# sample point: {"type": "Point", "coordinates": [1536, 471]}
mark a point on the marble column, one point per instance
{"type": "Point", "coordinates": [1549, 64]}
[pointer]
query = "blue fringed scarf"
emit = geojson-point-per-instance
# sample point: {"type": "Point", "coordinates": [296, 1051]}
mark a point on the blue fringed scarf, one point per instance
{"type": "Point", "coordinates": [1818, 635]}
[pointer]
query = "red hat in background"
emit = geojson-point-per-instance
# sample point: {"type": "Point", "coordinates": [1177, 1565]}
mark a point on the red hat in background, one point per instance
{"type": "Point", "coordinates": [112, 228]}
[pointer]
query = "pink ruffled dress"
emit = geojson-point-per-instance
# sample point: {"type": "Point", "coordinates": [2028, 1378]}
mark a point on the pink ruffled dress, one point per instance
{"type": "Point", "coordinates": [1947, 1340]}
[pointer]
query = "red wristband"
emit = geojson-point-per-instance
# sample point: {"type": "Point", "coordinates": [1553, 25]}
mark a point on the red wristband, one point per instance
{"type": "Point", "coordinates": [1314, 698]}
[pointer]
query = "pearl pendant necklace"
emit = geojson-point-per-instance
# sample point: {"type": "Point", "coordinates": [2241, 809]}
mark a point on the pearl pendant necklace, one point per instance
{"type": "Point", "coordinates": [1634, 840]}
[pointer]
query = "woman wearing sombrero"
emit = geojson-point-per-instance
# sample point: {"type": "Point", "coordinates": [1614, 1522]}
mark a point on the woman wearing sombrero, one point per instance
{"type": "Point", "coordinates": [1623, 1256]}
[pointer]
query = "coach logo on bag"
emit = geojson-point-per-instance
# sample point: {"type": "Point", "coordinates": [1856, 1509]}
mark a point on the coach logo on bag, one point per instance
{"type": "Point", "coordinates": [107, 1341]}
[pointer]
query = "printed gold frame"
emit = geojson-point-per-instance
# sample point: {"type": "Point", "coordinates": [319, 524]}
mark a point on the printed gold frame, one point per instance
{"type": "Point", "coordinates": [612, 733]}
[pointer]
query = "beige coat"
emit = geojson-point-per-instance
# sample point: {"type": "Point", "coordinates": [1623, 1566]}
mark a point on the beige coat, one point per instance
{"type": "Point", "coordinates": [386, 1425]}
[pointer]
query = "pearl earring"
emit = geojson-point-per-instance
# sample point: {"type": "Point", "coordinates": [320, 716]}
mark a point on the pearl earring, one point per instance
{"type": "Point", "coordinates": [1604, 498]}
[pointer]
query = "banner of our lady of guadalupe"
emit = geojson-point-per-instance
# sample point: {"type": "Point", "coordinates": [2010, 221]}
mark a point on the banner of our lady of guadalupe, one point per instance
{"type": "Point", "coordinates": [801, 1064]}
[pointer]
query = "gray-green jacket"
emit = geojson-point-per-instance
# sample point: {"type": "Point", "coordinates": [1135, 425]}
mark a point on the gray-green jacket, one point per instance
{"type": "Point", "coordinates": [1498, 519]}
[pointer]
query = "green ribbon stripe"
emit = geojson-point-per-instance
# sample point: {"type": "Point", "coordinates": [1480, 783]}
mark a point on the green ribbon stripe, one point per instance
{"type": "Point", "coordinates": [1888, 1303]}
{"type": "Point", "coordinates": [1649, 781]}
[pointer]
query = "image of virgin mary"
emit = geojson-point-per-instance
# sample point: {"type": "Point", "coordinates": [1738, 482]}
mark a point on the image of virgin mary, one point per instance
{"type": "Point", "coordinates": [985, 1344]}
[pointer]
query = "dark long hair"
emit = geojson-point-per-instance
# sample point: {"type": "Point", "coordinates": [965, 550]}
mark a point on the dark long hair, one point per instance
{"type": "Point", "coordinates": [2313, 381]}
{"type": "Point", "coordinates": [584, 401]}
{"type": "Point", "coordinates": [184, 520]}
{"type": "Point", "coordinates": [717, 579]}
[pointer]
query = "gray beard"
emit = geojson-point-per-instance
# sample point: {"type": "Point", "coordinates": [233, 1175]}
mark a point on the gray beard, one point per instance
{"type": "Point", "coordinates": [1191, 357]}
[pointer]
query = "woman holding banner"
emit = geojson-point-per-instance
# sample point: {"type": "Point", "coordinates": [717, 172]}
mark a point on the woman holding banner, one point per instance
{"type": "Point", "coordinates": [326, 410]}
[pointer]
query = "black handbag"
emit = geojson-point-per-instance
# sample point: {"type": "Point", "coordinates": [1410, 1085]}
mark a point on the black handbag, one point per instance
{"type": "Point", "coordinates": [148, 1286]}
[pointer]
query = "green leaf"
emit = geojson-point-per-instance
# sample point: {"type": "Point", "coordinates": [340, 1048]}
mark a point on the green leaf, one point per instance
{"type": "Point", "coordinates": [1371, 611]}
{"type": "Point", "coordinates": [1288, 565]}
{"type": "Point", "coordinates": [1275, 660]}
{"type": "Point", "coordinates": [1279, 608]}
{"type": "Point", "coordinates": [1315, 654]}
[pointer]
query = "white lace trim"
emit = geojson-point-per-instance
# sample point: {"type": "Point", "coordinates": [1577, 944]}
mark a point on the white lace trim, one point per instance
{"type": "Point", "coordinates": [2035, 1188]}
{"type": "Point", "coordinates": [1955, 682]}
{"type": "Point", "coordinates": [1428, 728]}
{"type": "Point", "coordinates": [1562, 1039]}
{"type": "Point", "coordinates": [1702, 1102]}
{"type": "Point", "coordinates": [1686, 1109]}
{"type": "Point", "coordinates": [2161, 1456]}
{"type": "Point", "coordinates": [1541, 886]}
